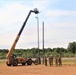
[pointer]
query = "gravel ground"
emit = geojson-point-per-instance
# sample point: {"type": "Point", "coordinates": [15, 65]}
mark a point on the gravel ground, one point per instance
{"type": "Point", "coordinates": [37, 70]}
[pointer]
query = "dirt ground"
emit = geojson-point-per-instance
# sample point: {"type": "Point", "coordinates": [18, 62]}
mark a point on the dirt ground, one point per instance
{"type": "Point", "coordinates": [37, 70]}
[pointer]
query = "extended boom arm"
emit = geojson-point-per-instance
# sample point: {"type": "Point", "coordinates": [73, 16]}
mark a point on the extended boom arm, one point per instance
{"type": "Point", "coordinates": [18, 36]}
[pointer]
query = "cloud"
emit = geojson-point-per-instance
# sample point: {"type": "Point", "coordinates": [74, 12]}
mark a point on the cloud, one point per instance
{"type": "Point", "coordinates": [59, 34]}
{"type": "Point", "coordinates": [41, 5]}
{"type": "Point", "coordinates": [60, 13]}
{"type": "Point", "coordinates": [13, 13]}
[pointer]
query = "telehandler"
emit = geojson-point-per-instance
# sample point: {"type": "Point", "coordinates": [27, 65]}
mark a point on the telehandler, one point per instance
{"type": "Point", "coordinates": [12, 60]}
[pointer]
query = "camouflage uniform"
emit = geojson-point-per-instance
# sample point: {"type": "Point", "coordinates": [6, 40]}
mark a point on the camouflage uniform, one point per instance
{"type": "Point", "coordinates": [60, 61]}
{"type": "Point", "coordinates": [51, 60]}
{"type": "Point", "coordinates": [45, 61]}
{"type": "Point", "coordinates": [56, 60]}
{"type": "Point", "coordinates": [39, 60]}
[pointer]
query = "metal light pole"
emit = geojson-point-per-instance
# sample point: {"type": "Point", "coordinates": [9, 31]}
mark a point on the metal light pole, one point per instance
{"type": "Point", "coordinates": [38, 38]}
{"type": "Point", "coordinates": [43, 41]}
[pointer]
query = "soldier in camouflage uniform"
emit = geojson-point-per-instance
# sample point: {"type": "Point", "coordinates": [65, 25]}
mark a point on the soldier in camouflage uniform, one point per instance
{"type": "Point", "coordinates": [60, 61]}
{"type": "Point", "coordinates": [51, 60]}
{"type": "Point", "coordinates": [56, 60]}
{"type": "Point", "coordinates": [45, 61]}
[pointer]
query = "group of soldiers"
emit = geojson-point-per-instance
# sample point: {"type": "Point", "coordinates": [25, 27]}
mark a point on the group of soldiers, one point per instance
{"type": "Point", "coordinates": [58, 61]}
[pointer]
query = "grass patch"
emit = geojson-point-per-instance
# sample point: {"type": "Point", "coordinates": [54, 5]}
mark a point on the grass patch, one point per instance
{"type": "Point", "coordinates": [69, 62]}
{"type": "Point", "coordinates": [64, 62]}
{"type": "Point", "coordinates": [2, 61]}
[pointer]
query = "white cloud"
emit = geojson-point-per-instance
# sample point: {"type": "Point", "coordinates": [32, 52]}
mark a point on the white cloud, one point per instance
{"type": "Point", "coordinates": [59, 34]}
{"type": "Point", "coordinates": [41, 5]}
{"type": "Point", "coordinates": [13, 13]}
{"type": "Point", "coordinates": [60, 13]}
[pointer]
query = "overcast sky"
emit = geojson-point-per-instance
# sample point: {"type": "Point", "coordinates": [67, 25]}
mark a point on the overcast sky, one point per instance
{"type": "Point", "coordinates": [59, 18]}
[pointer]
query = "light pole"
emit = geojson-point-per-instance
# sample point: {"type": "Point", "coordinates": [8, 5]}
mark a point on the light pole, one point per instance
{"type": "Point", "coordinates": [43, 41]}
{"type": "Point", "coordinates": [38, 37]}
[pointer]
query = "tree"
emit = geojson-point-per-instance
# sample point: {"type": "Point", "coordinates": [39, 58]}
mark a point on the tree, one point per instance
{"type": "Point", "coordinates": [72, 47]}
{"type": "Point", "coordinates": [49, 50]}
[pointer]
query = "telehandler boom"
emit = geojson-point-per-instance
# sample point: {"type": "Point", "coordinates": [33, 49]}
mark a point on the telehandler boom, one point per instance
{"type": "Point", "coordinates": [11, 58]}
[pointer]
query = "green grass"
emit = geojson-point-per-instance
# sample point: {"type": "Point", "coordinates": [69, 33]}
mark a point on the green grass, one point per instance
{"type": "Point", "coordinates": [69, 62]}
{"type": "Point", "coordinates": [2, 62]}
{"type": "Point", "coordinates": [64, 62]}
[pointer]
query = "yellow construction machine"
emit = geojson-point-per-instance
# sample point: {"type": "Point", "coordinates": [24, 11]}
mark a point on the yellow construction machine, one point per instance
{"type": "Point", "coordinates": [12, 59]}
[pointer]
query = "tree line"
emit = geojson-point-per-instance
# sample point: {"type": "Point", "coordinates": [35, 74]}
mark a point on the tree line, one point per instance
{"type": "Point", "coordinates": [33, 52]}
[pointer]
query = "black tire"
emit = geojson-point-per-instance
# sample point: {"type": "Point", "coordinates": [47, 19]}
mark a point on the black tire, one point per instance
{"type": "Point", "coordinates": [8, 64]}
{"type": "Point", "coordinates": [29, 62]}
{"type": "Point", "coordinates": [15, 63]}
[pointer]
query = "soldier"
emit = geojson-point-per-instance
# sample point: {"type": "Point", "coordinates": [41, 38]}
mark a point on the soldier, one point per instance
{"type": "Point", "coordinates": [39, 60]}
{"type": "Point", "coordinates": [51, 60]}
{"type": "Point", "coordinates": [56, 60]}
{"type": "Point", "coordinates": [60, 61]}
{"type": "Point", "coordinates": [45, 61]}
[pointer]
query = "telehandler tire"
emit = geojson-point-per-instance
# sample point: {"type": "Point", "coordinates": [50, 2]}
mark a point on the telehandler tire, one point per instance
{"type": "Point", "coordinates": [15, 63]}
{"type": "Point", "coordinates": [29, 62]}
{"type": "Point", "coordinates": [8, 64]}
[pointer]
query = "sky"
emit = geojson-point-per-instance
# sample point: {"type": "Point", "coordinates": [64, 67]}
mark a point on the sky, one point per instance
{"type": "Point", "coordinates": [59, 17]}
